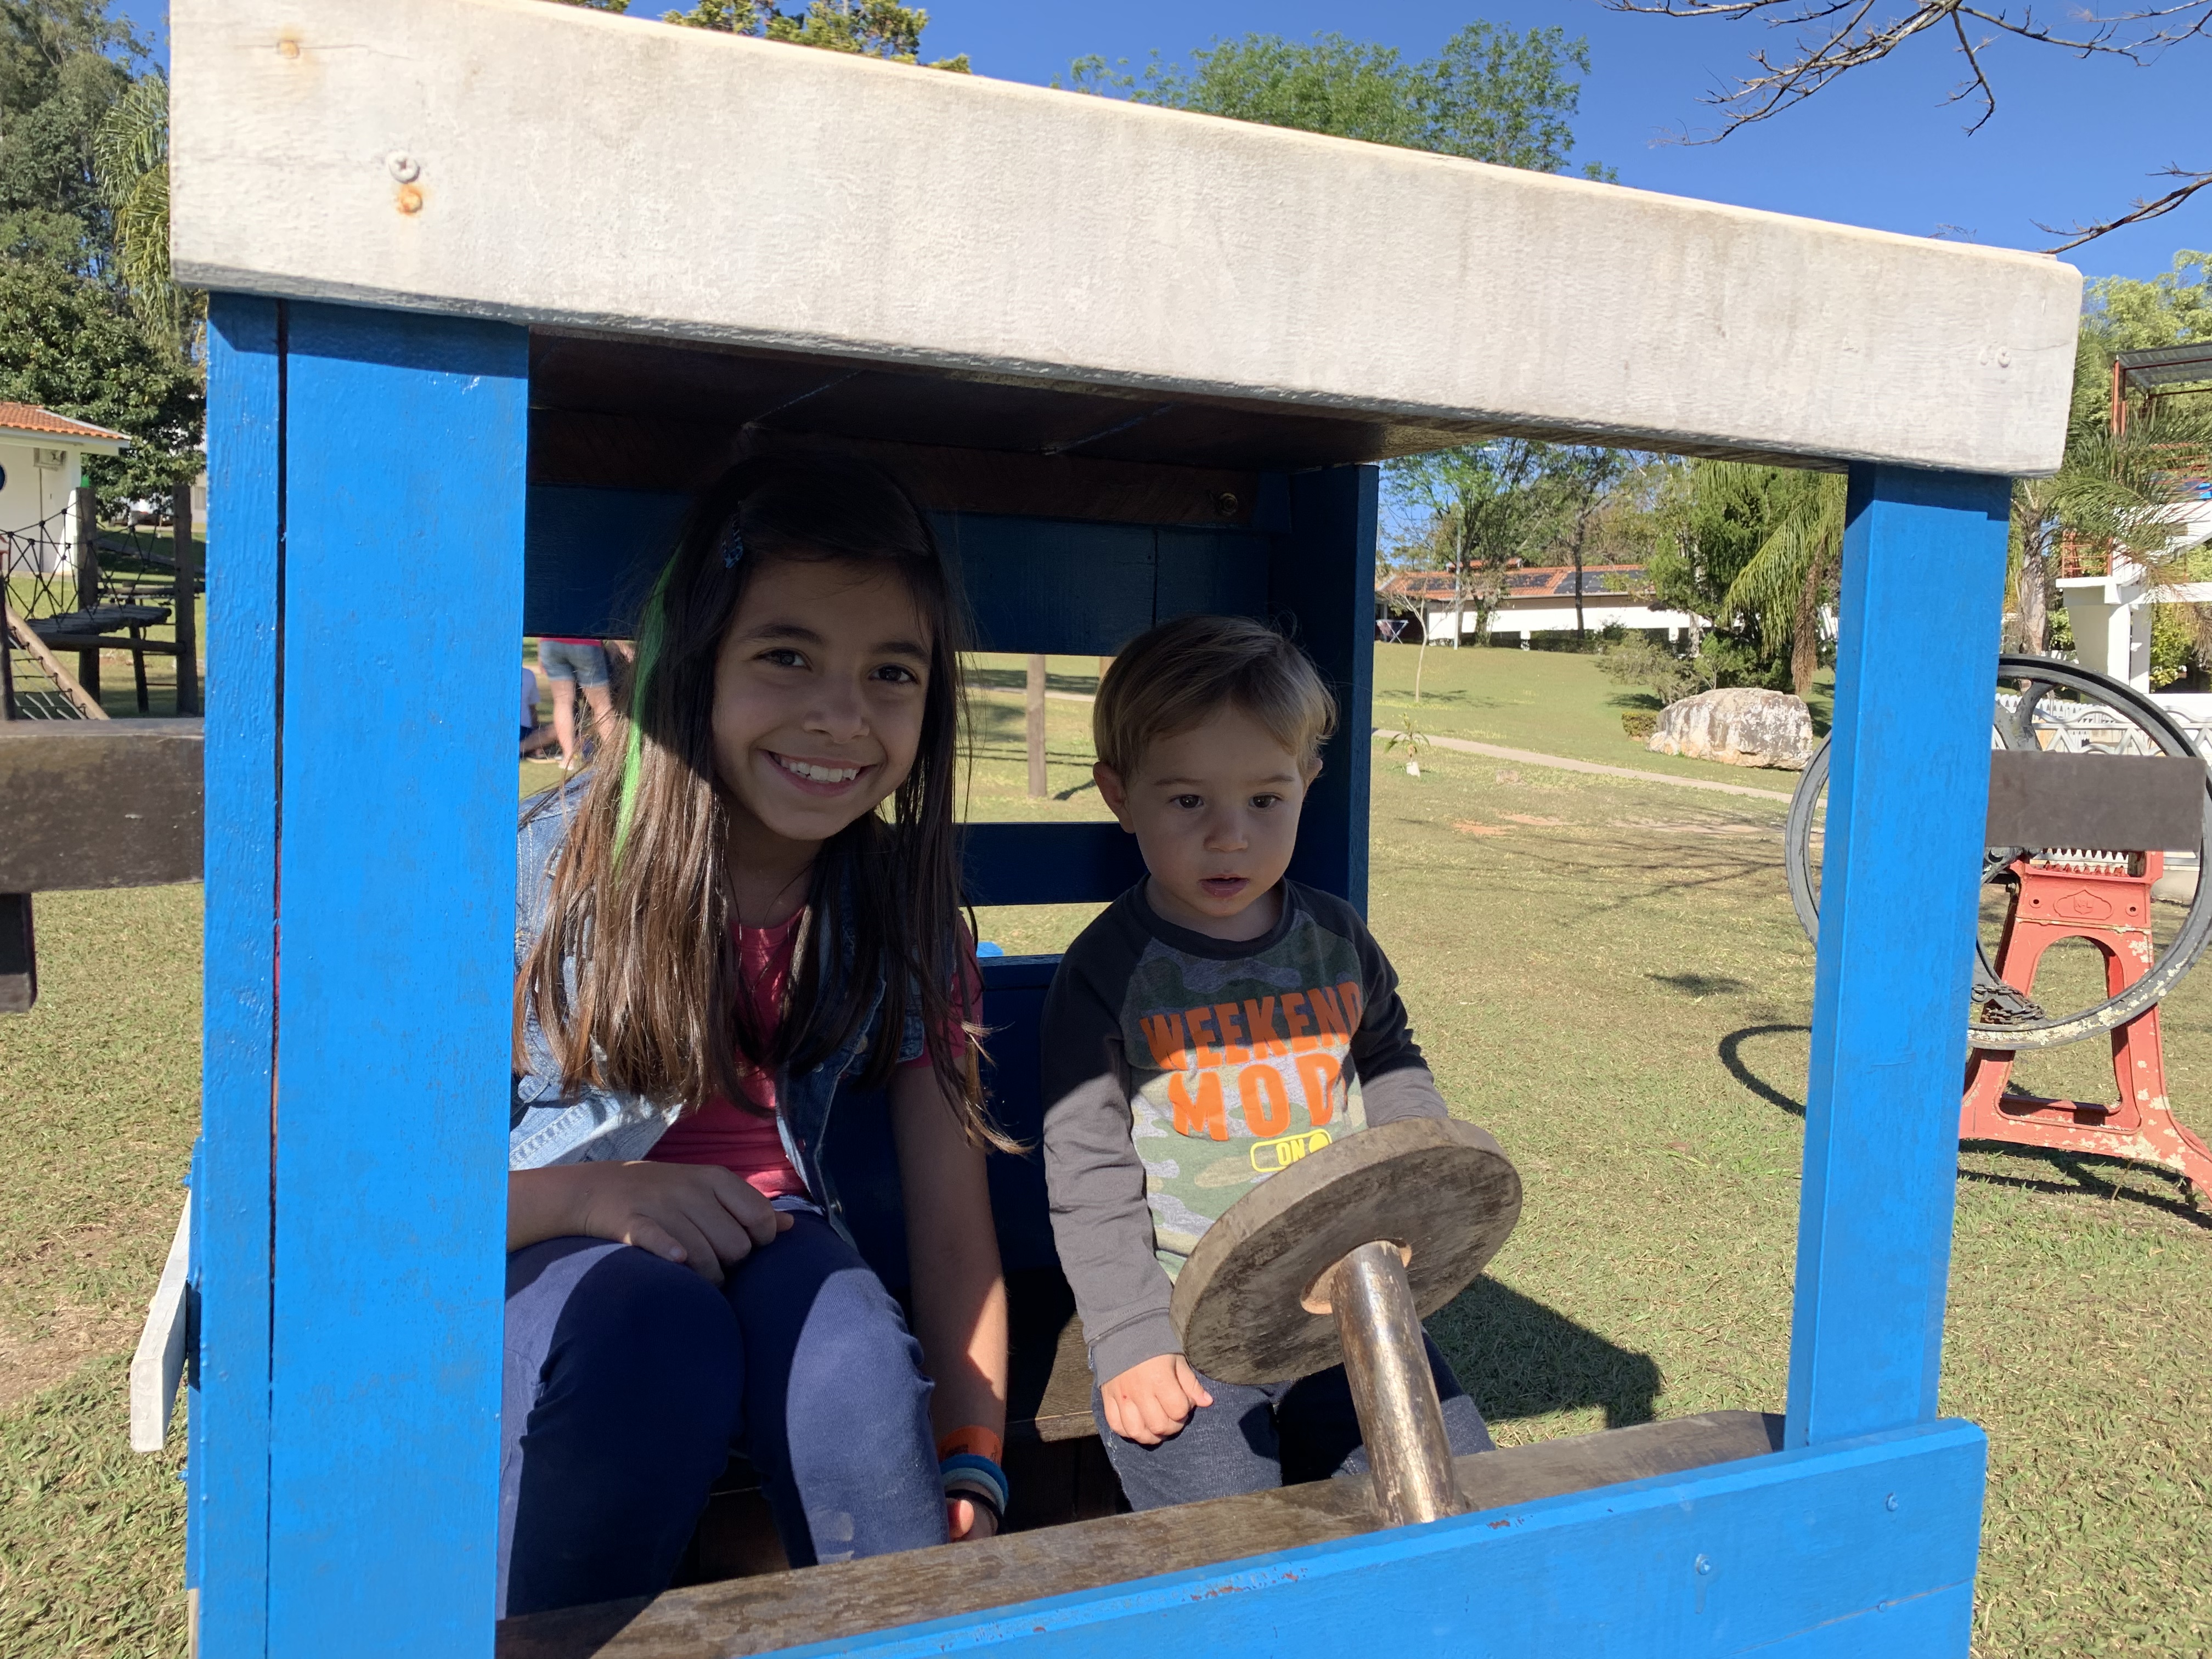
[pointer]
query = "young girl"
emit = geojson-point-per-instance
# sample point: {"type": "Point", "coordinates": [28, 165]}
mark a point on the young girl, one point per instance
{"type": "Point", "coordinates": [753, 907]}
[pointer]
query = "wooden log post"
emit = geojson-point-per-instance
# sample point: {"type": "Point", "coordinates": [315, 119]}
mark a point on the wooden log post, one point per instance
{"type": "Point", "coordinates": [1400, 1417]}
{"type": "Point", "coordinates": [19, 957]}
{"type": "Point", "coordinates": [85, 563]}
{"type": "Point", "coordinates": [187, 608]}
{"type": "Point", "coordinates": [1033, 698]}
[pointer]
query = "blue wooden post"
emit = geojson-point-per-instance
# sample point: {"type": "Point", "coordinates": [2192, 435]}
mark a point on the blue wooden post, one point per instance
{"type": "Point", "coordinates": [366, 647]}
{"type": "Point", "coordinates": [1923, 577]}
{"type": "Point", "coordinates": [228, 1560]}
{"type": "Point", "coordinates": [1323, 573]}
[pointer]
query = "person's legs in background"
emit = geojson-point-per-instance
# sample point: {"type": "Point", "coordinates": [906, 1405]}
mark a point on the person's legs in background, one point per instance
{"type": "Point", "coordinates": [836, 1407]}
{"type": "Point", "coordinates": [623, 1380]}
{"type": "Point", "coordinates": [568, 665]}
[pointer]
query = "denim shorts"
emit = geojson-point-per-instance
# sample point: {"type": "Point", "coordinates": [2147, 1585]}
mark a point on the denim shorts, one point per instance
{"type": "Point", "coordinates": [586, 665]}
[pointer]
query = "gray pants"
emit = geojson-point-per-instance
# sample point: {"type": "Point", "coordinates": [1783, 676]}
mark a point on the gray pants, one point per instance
{"type": "Point", "coordinates": [1250, 1439]}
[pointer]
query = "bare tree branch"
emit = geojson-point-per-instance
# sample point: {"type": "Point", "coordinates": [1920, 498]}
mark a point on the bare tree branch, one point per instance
{"type": "Point", "coordinates": [2140, 210]}
{"type": "Point", "coordinates": [1838, 36]}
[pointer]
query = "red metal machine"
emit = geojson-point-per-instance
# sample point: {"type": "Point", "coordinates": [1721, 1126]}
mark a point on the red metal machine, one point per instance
{"type": "Point", "coordinates": [2106, 899]}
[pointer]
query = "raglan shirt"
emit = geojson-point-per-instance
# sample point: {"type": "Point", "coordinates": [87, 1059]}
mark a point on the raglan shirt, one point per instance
{"type": "Point", "coordinates": [1180, 1071]}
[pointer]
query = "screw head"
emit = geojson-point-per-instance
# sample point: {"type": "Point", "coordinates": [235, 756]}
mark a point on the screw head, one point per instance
{"type": "Point", "coordinates": [404, 168]}
{"type": "Point", "coordinates": [1890, 1502]}
{"type": "Point", "coordinates": [410, 199]}
{"type": "Point", "coordinates": [1225, 503]}
{"type": "Point", "coordinates": [1705, 1564]}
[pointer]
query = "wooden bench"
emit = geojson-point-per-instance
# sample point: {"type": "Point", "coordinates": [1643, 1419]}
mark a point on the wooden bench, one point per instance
{"type": "Point", "coordinates": [831, 1603]}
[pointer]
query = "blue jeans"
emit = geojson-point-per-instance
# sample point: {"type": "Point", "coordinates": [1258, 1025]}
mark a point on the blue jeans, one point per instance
{"type": "Point", "coordinates": [629, 1379]}
{"type": "Point", "coordinates": [1250, 1439]}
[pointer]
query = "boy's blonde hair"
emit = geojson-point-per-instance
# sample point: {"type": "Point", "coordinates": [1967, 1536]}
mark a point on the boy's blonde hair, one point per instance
{"type": "Point", "coordinates": [1181, 673]}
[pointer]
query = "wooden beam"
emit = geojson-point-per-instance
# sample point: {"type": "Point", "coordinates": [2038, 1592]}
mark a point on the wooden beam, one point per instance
{"type": "Point", "coordinates": [976, 226]}
{"type": "Point", "coordinates": [186, 615]}
{"type": "Point", "coordinates": [1033, 724]}
{"type": "Point", "coordinates": [87, 572]}
{"type": "Point", "coordinates": [837, 1603]}
{"type": "Point", "coordinates": [19, 955]}
{"type": "Point", "coordinates": [99, 804]}
{"type": "Point", "coordinates": [2116, 803]}
{"type": "Point", "coordinates": [1909, 791]}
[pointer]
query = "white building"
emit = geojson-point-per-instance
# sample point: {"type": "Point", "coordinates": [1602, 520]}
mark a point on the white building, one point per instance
{"type": "Point", "coordinates": [41, 463]}
{"type": "Point", "coordinates": [1537, 600]}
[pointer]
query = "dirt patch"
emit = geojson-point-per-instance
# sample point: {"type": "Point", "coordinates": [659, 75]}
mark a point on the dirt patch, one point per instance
{"type": "Point", "coordinates": [31, 1363]}
{"type": "Point", "coordinates": [1468, 828]}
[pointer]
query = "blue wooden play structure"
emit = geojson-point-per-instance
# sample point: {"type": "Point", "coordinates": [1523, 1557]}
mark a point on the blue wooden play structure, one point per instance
{"type": "Point", "coordinates": [495, 284]}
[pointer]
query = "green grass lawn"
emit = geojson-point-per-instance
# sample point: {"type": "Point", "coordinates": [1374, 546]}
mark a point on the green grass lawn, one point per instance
{"type": "Point", "coordinates": [1605, 973]}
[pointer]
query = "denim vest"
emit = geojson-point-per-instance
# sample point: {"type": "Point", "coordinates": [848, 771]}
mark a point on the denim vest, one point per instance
{"type": "Point", "coordinates": [551, 1124]}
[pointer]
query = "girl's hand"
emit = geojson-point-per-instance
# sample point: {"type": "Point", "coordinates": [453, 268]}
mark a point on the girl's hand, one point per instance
{"type": "Point", "coordinates": [968, 1521]}
{"type": "Point", "coordinates": [697, 1214]}
{"type": "Point", "coordinates": [1150, 1402]}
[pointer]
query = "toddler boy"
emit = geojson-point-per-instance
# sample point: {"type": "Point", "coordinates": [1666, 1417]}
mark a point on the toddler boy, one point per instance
{"type": "Point", "coordinates": [1214, 1025]}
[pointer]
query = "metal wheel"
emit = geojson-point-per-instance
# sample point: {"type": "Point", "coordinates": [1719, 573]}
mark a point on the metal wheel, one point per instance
{"type": "Point", "coordinates": [2102, 715]}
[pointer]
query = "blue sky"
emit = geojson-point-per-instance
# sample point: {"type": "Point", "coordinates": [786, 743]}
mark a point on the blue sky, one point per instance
{"type": "Point", "coordinates": [2069, 140]}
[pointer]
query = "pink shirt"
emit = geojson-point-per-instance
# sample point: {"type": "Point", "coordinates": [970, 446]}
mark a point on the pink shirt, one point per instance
{"type": "Point", "coordinates": [745, 1141]}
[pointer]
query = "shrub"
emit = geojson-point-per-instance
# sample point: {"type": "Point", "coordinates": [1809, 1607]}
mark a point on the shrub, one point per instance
{"type": "Point", "coordinates": [1639, 723]}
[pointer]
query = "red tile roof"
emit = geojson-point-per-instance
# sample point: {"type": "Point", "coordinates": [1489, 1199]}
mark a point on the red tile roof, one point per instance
{"type": "Point", "coordinates": [1539, 582]}
{"type": "Point", "coordinates": [30, 418]}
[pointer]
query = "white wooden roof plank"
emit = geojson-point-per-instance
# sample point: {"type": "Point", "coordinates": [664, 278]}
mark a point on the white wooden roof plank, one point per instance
{"type": "Point", "coordinates": [577, 169]}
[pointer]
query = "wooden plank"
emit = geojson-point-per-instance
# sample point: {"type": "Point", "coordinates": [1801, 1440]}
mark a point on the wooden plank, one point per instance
{"type": "Point", "coordinates": [2116, 803]}
{"type": "Point", "coordinates": [1120, 1554]}
{"type": "Point", "coordinates": [978, 226]}
{"type": "Point", "coordinates": [227, 1547]}
{"type": "Point", "coordinates": [1908, 791]}
{"type": "Point", "coordinates": [158, 1362]}
{"type": "Point", "coordinates": [99, 802]}
{"type": "Point", "coordinates": [1048, 863]}
{"type": "Point", "coordinates": [87, 575]}
{"type": "Point", "coordinates": [19, 955]}
{"type": "Point", "coordinates": [83, 701]}
{"type": "Point", "coordinates": [1322, 576]}
{"type": "Point", "coordinates": [398, 881]}
{"type": "Point", "coordinates": [1033, 724]}
{"type": "Point", "coordinates": [187, 647]}
{"type": "Point", "coordinates": [590, 447]}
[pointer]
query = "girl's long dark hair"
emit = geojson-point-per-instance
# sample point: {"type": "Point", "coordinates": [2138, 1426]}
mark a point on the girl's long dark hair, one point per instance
{"type": "Point", "coordinates": [634, 975]}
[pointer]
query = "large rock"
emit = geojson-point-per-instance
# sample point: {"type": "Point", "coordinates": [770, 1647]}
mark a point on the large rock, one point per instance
{"type": "Point", "coordinates": [1741, 726]}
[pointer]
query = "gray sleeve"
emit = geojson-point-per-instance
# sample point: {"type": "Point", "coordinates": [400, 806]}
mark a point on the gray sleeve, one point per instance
{"type": "Point", "coordinates": [1100, 1223]}
{"type": "Point", "coordinates": [1395, 1080]}
{"type": "Point", "coordinates": [1409, 1091]}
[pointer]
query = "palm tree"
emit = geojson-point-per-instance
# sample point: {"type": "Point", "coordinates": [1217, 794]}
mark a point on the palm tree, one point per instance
{"type": "Point", "coordinates": [131, 157]}
{"type": "Point", "coordinates": [2113, 495]}
{"type": "Point", "coordinates": [1782, 586]}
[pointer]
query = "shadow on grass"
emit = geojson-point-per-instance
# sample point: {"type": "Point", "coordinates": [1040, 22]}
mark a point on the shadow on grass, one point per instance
{"type": "Point", "coordinates": [1699, 985]}
{"type": "Point", "coordinates": [2085, 1178]}
{"type": "Point", "coordinates": [1518, 1358]}
{"type": "Point", "coordinates": [1731, 1053]}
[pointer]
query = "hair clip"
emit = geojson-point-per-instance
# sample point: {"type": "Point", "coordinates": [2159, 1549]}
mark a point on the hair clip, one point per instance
{"type": "Point", "coordinates": [733, 545]}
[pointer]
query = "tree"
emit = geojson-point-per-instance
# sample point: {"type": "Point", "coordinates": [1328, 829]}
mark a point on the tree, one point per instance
{"type": "Point", "coordinates": [1492, 94]}
{"type": "Point", "coordinates": [130, 158]}
{"type": "Point", "coordinates": [70, 345]}
{"type": "Point", "coordinates": [1713, 520]}
{"type": "Point", "coordinates": [1782, 588]}
{"type": "Point", "coordinates": [62, 64]}
{"type": "Point", "coordinates": [871, 28]}
{"type": "Point", "coordinates": [1836, 39]}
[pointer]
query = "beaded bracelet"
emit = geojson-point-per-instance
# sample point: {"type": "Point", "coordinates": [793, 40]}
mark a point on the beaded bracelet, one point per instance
{"type": "Point", "coordinates": [968, 1464]}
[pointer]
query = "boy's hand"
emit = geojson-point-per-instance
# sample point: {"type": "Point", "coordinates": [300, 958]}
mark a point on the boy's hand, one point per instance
{"type": "Point", "coordinates": [1150, 1403]}
{"type": "Point", "coordinates": [968, 1521]}
{"type": "Point", "coordinates": [698, 1214]}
